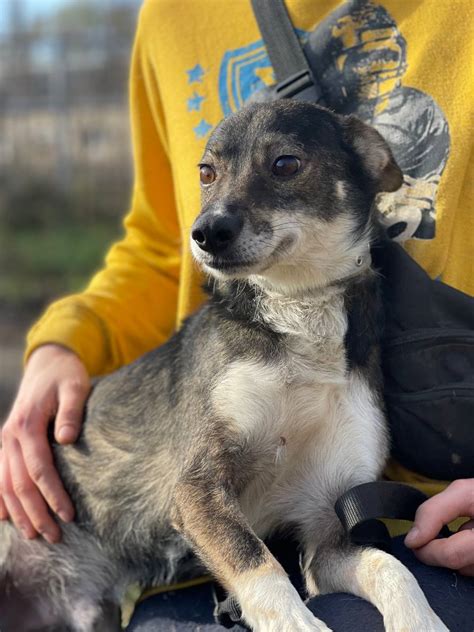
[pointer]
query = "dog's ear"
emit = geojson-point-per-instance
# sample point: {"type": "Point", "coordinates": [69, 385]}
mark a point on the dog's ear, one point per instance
{"type": "Point", "coordinates": [374, 152]}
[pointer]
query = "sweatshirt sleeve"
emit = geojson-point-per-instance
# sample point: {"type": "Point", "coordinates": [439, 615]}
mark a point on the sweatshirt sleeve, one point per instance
{"type": "Point", "coordinates": [129, 306]}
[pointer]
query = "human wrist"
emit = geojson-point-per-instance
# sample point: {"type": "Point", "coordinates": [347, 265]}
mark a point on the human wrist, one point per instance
{"type": "Point", "coordinates": [50, 350]}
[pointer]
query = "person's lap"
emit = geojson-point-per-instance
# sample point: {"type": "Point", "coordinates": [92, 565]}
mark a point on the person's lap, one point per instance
{"type": "Point", "coordinates": [450, 595]}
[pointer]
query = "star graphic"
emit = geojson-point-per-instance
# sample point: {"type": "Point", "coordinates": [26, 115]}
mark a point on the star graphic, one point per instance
{"type": "Point", "coordinates": [202, 129]}
{"type": "Point", "coordinates": [194, 103]}
{"type": "Point", "coordinates": [195, 74]}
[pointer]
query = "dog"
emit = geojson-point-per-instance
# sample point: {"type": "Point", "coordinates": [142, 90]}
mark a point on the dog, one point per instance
{"type": "Point", "coordinates": [256, 416]}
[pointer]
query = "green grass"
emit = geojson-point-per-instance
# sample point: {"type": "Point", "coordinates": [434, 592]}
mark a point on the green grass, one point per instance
{"type": "Point", "coordinates": [38, 265]}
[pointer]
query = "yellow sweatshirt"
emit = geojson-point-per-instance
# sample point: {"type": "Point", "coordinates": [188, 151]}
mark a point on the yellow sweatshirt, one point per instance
{"type": "Point", "coordinates": [406, 67]}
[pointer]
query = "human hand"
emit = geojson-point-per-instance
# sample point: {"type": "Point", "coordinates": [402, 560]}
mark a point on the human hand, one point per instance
{"type": "Point", "coordinates": [55, 384]}
{"type": "Point", "coordinates": [457, 551]}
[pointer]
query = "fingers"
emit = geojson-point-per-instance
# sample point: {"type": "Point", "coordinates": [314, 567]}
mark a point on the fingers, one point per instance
{"type": "Point", "coordinates": [72, 397]}
{"type": "Point", "coordinates": [55, 381]}
{"type": "Point", "coordinates": [29, 479]}
{"type": "Point", "coordinates": [469, 524]}
{"type": "Point", "coordinates": [36, 454]}
{"type": "Point", "coordinates": [467, 570]}
{"type": "Point", "coordinates": [455, 501]}
{"type": "Point", "coordinates": [13, 505]}
{"type": "Point", "coordinates": [3, 508]}
{"type": "Point", "coordinates": [455, 552]}
{"type": "Point", "coordinates": [24, 499]}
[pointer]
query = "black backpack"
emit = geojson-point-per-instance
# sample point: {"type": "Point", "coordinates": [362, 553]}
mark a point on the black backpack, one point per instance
{"type": "Point", "coordinates": [428, 365]}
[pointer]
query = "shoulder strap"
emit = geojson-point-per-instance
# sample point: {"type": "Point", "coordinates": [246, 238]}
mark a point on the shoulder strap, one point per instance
{"type": "Point", "coordinates": [292, 71]}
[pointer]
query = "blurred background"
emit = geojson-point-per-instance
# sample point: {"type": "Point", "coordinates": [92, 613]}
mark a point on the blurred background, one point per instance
{"type": "Point", "coordinates": [65, 157]}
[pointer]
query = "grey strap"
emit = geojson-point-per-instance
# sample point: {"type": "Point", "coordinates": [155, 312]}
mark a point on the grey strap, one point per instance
{"type": "Point", "coordinates": [292, 71]}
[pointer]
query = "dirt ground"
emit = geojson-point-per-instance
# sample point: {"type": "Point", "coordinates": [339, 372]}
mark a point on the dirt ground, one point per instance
{"type": "Point", "coordinates": [13, 327]}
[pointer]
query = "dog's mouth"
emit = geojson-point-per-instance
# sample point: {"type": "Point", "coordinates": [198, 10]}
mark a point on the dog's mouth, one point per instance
{"type": "Point", "coordinates": [230, 265]}
{"type": "Point", "coordinates": [237, 265]}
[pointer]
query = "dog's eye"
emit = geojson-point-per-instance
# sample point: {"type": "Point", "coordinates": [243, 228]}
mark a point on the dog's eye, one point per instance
{"type": "Point", "coordinates": [286, 166]}
{"type": "Point", "coordinates": [207, 174]}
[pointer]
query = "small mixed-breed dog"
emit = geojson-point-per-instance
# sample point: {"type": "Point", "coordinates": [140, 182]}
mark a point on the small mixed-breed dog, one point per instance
{"type": "Point", "coordinates": [256, 416]}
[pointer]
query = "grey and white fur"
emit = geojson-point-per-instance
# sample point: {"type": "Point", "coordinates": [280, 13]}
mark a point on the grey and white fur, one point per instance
{"type": "Point", "coordinates": [255, 416]}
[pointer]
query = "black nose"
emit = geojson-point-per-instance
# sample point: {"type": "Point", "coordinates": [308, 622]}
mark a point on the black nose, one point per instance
{"type": "Point", "coordinates": [216, 234]}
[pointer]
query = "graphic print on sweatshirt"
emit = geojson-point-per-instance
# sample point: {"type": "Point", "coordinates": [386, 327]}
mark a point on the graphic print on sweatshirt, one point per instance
{"type": "Point", "coordinates": [359, 57]}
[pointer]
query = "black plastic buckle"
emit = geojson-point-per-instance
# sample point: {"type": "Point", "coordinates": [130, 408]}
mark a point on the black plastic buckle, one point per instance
{"type": "Point", "coordinates": [300, 86]}
{"type": "Point", "coordinates": [227, 611]}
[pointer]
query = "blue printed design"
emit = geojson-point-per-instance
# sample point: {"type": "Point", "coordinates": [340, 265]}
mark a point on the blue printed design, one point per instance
{"type": "Point", "coordinates": [239, 75]}
{"type": "Point", "coordinates": [202, 129]}
{"type": "Point", "coordinates": [244, 71]}
{"type": "Point", "coordinates": [194, 103]}
{"type": "Point", "coordinates": [195, 74]}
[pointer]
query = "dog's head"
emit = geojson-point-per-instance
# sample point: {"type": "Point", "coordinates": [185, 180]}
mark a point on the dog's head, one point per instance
{"type": "Point", "coordinates": [287, 191]}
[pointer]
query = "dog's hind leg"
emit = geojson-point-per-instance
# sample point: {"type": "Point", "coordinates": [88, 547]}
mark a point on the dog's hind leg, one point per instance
{"type": "Point", "coordinates": [21, 611]}
{"type": "Point", "coordinates": [29, 613]}
{"type": "Point", "coordinates": [88, 616]}
{"type": "Point", "coordinates": [65, 586]}
{"type": "Point", "coordinates": [109, 619]}
{"type": "Point", "coordinates": [335, 565]}
{"type": "Point", "coordinates": [208, 515]}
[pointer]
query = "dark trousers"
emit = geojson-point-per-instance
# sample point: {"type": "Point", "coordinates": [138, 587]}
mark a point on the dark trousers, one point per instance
{"type": "Point", "coordinates": [190, 610]}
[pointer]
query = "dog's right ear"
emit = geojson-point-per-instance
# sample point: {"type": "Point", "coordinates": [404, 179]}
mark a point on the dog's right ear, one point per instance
{"type": "Point", "coordinates": [374, 152]}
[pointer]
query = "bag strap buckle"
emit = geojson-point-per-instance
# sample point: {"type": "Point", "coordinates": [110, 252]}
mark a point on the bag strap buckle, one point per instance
{"type": "Point", "coordinates": [300, 86]}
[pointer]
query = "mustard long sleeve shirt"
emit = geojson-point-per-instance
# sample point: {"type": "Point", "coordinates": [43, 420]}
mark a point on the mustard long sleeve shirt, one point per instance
{"type": "Point", "coordinates": [406, 67]}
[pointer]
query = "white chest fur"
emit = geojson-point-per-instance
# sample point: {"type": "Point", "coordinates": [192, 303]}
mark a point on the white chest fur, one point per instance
{"type": "Point", "coordinates": [264, 399]}
{"type": "Point", "coordinates": [309, 422]}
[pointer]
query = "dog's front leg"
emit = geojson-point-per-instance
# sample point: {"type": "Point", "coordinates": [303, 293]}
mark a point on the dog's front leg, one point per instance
{"type": "Point", "coordinates": [208, 515]}
{"type": "Point", "coordinates": [338, 566]}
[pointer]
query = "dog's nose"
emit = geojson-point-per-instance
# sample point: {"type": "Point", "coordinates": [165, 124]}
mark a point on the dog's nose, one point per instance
{"type": "Point", "coordinates": [216, 234]}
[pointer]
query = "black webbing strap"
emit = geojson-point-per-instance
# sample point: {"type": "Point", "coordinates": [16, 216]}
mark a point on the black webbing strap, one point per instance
{"type": "Point", "coordinates": [292, 71]}
{"type": "Point", "coordinates": [360, 508]}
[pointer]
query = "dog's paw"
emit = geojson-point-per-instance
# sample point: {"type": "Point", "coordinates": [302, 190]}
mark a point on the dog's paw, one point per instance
{"type": "Point", "coordinates": [292, 622]}
{"type": "Point", "coordinates": [392, 588]}
{"type": "Point", "coordinates": [412, 613]}
{"type": "Point", "coordinates": [273, 605]}
{"type": "Point", "coordinates": [409, 621]}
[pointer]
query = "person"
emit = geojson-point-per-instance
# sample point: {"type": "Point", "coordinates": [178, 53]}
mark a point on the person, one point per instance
{"type": "Point", "coordinates": [192, 64]}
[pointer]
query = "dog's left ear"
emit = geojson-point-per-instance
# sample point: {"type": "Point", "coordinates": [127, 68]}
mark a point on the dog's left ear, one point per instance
{"type": "Point", "coordinates": [374, 152]}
